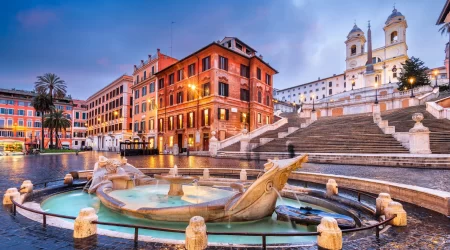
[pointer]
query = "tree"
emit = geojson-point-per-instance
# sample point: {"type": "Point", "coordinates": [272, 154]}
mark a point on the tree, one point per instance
{"type": "Point", "coordinates": [58, 121]}
{"type": "Point", "coordinates": [445, 29]}
{"type": "Point", "coordinates": [43, 104]}
{"type": "Point", "coordinates": [413, 68]}
{"type": "Point", "coordinates": [55, 87]}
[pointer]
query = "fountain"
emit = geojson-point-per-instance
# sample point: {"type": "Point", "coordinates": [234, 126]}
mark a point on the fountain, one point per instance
{"type": "Point", "coordinates": [176, 181]}
{"type": "Point", "coordinates": [111, 185]}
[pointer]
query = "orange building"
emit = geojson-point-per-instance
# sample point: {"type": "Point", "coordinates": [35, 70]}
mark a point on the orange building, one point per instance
{"type": "Point", "coordinates": [110, 114]}
{"type": "Point", "coordinates": [222, 87]}
{"type": "Point", "coordinates": [145, 97]}
{"type": "Point", "coordinates": [79, 125]}
{"type": "Point", "coordinates": [20, 124]}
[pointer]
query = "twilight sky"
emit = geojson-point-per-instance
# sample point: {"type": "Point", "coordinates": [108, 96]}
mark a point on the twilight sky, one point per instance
{"type": "Point", "coordinates": [89, 43]}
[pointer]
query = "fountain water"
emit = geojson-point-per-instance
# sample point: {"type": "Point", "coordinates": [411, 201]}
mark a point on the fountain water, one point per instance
{"type": "Point", "coordinates": [288, 218]}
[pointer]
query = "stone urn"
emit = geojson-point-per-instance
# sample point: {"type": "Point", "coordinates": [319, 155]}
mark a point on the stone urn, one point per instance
{"type": "Point", "coordinates": [244, 131]}
{"type": "Point", "coordinates": [417, 117]}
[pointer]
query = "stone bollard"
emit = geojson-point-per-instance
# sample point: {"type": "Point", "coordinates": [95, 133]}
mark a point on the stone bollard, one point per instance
{"type": "Point", "coordinates": [419, 136]}
{"type": "Point", "coordinates": [205, 173]}
{"type": "Point", "coordinates": [11, 194]}
{"type": "Point", "coordinates": [26, 187]}
{"type": "Point", "coordinates": [313, 116]}
{"type": "Point", "coordinates": [243, 175]}
{"type": "Point", "coordinates": [395, 208]}
{"type": "Point", "coordinates": [68, 179]}
{"type": "Point", "coordinates": [381, 203]}
{"type": "Point", "coordinates": [330, 234]}
{"type": "Point", "coordinates": [213, 145]}
{"type": "Point", "coordinates": [332, 187]}
{"type": "Point", "coordinates": [83, 227]}
{"type": "Point", "coordinates": [175, 149]}
{"type": "Point", "coordinates": [196, 238]}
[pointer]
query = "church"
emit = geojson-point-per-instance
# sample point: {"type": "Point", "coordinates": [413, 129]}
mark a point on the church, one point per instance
{"type": "Point", "coordinates": [376, 66]}
{"type": "Point", "coordinates": [365, 66]}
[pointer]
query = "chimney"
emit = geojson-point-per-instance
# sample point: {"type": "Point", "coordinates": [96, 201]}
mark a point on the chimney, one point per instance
{"type": "Point", "coordinates": [135, 67]}
{"type": "Point", "coordinates": [142, 62]}
{"type": "Point", "coordinates": [149, 57]}
{"type": "Point", "coordinates": [261, 56]}
{"type": "Point", "coordinates": [318, 78]}
{"type": "Point", "coordinates": [158, 50]}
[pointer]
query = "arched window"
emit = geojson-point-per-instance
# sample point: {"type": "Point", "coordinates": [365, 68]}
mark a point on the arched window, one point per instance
{"type": "Point", "coordinates": [376, 60]}
{"type": "Point", "coordinates": [394, 37]}
{"type": "Point", "coordinates": [353, 50]}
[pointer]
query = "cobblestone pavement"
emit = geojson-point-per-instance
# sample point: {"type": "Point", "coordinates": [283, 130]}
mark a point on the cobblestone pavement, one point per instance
{"type": "Point", "coordinates": [425, 230]}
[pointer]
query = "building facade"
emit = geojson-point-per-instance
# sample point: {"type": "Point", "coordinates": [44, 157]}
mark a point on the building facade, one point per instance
{"type": "Point", "coordinates": [145, 101]}
{"type": "Point", "coordinates": [20, 123]}
{"type": "Point", "coordinates": [223, 87]}
{"type": "Point", "coordinates": [384, 63]}
{"type": "Point", "coordinates": [79, 125]}
{"type": "Point", "coordinates": [109, 115]}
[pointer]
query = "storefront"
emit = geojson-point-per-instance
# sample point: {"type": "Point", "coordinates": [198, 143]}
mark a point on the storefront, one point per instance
{"type": "Point", "coordinates": [11, 145]}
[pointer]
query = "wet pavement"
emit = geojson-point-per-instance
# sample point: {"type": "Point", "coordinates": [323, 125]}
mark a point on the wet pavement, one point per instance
{"type": "Point", "coordinates": [425, 230]}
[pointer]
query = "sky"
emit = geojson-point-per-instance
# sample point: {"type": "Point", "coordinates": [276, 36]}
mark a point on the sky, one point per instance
{"type": "Point", "coordinates": [90, 43]}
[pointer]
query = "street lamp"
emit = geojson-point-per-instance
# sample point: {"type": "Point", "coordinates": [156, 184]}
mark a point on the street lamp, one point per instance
{"type": "Point", "coordinates": [411, 81]}
{"type": "Point", "coordinates": [435, 72]}
{"type": "Point", "coordinates": [376, 92]}
{"type": "Point", "coordinates": [302, 98]}
{"type": "Point", "coordinates": [313, 97]}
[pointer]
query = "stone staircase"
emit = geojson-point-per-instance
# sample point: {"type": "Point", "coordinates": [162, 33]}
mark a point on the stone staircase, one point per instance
{"type": "Point", "coordinates": [439, 128]}
{"type": "Point", "coordinates": [344, 134]}
{"type": "Point", "coordinates": [293, 124]}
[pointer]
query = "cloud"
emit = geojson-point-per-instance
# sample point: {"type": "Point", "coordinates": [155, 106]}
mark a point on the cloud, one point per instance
{"type": "Point", "coordinates": [35, 18]}
{"type": "Point", "coordinates": [103, 61]}
{"type": "Point", "coordinates": [299, 3]}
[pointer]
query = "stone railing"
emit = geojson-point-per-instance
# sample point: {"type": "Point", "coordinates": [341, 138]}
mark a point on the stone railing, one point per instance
{"type": "Point", "coordinates": [259, 131]}
{"type": "Point", "coordinates": [439, 111]}
{"type": "Point", "coordinates": [436, 110]}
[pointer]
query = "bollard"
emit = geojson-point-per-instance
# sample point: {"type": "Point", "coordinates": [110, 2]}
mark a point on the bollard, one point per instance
{"type": "Point", "coordinates": [243, 175]}
{"type": "Point", "coordinates": [330, 234]}
{"type": "Point", "coordinates": [196, 238]}
{"type": "Point", "coordinates": [205, 173]}
{"type": "Point", "coordinates": [332, 188]}
{"type": "Point", "coordinates": [395, 208]}
{"type": "Point", "coordinates": [68, 179]}
{"type": "Point", "coordinates": [11, 194]}
{"type": "Point", "coordinates": [83, 227]}
{"type": "Point", "coordinates": [381, 203]}
{"type": "Point", "coordinates": [26, 187]}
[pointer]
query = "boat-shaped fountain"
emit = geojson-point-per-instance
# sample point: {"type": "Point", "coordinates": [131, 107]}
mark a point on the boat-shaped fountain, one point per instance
{"type": "Point", "coordinates": [111, 180]}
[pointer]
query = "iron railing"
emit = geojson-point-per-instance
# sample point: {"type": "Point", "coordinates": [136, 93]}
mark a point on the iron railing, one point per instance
{"type": "Point", "coordinates": [263, 235]}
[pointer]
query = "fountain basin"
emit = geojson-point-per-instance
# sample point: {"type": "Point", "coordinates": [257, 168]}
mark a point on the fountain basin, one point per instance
{"type": "Point", "coordinates": [311, 216]}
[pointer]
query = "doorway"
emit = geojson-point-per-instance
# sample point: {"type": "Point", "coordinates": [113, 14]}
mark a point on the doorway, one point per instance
{"type": "Point", "coordinates": [206, 142]}
{"type": "Point", "coordinates": [180, 142]}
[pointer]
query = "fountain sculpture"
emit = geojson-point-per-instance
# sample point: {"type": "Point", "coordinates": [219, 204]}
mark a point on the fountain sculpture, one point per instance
{"type": "Point", "coordinates": [176, 181]}
{"type": "Point", "coordinates": [256, 202]}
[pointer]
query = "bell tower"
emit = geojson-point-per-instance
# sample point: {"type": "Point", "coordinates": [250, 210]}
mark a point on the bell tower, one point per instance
{"type": "Point", "coordinates": [355, 42]}
{"type": "Point", "coordinates": [395, 28]}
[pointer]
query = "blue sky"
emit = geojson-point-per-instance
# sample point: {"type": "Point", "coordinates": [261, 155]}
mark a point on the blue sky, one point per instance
{"type": "Point", "coordinates": [90, 43]}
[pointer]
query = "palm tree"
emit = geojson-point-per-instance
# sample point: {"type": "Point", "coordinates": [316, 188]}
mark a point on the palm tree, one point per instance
{"type": "Point", "coordinates": [51, 84]}
{"type": "Point", "coordinates": [42, 104]}
{"type": "Point", "coordinates": [58, 121]}
{"type": "Point", "coordinates": [54, 86]}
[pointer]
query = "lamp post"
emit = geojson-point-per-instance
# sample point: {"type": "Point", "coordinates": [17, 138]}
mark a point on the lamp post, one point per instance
{"type": "Point", "coordinates": [411, 81]}
{"type": "Point", "coordinates": [302, 98]}
{"type": "Point", "coordinates": [376, 92]}
{"type": "Point", "coordinates": [435, 72]}
{"type": "Point", "coordinates": [313, 97]}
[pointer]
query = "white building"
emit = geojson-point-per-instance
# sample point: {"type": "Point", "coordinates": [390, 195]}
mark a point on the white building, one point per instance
{"type": "Point", "coordinates": [284, 107]}
{"type": "Point", "coordinates": [365, 67]}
